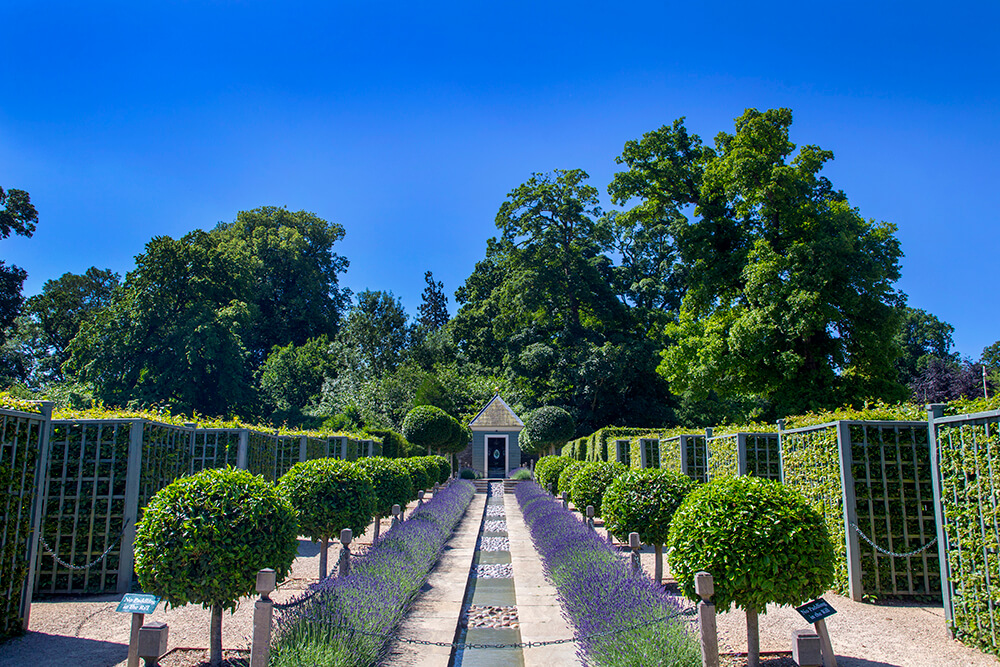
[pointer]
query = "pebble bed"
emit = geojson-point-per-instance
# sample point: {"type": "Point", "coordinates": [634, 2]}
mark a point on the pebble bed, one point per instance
{"type": "Point", "coordinates": [494, 544]}
{"type": "Point", "coordinates": [495, 526]}
{"type": "Point", "coordinates": [492, 616]}
{"type": "Point", "coordinates": [495, 510]}
{"type": "Point", "coordinates": [493, 571]}
{"type": "Point", "coordinates": [496, 488]}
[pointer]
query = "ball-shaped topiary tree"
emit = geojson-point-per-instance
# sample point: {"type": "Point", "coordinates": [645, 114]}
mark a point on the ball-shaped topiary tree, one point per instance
{"type": "Point", "coordinates": [547, 471]}
{"type": "Point", "coordinates": [644, 501]}
{"type": "Point", "coordinates": [203, 538]}
{"type": "Point", "coordinates": [590, 483]}
{"type": "Point", "coordinates": [329, 495]}
{"type": "Point", "coordinates": [418, 474]}
{"type": "Point", "coordinates": [392, 485]}
{"type": "Point", "coordinates": [567, 474]}
{"type": "Point", "coordinates": [548, 428]}
{"type": "Point", "coordinates": [428, 427]}
{"type": "Point", "coordinates": [761, 542]}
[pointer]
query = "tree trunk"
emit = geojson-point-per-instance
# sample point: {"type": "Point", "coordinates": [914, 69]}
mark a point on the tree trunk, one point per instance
{"type": "Point", "coordinates": [753, 639]}
{"type": "Point", "coordinates": [377, 527]}
{"type": "Point", "coordinates": [215, 637]}
{"type": "Point", "coordinates": [658, 568]}
{"type": "Point", "coordinates": [323, 544]}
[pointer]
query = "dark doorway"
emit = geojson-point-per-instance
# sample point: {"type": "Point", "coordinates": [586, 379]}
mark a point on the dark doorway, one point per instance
{"type": "Point", "coordinates": [496, 457]}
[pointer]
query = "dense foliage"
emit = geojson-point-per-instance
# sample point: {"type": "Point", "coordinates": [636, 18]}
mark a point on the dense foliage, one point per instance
{"type": "Point", "coordinates": [203, 538]}
{"type": "Point", "coordinates": [326, 629]}
{"type": "Point", "coordinates": [329, 495]}
{"type": "Point", "coordinates": [644, 501]}
{"type": "Point", "coordinates": [601, 594]}
{"type": "Point", "coordinates": [545, 428]}
{"type": "Point", "coordinates": [590, 483]}
{"type": "Point", "coordinates": [566, 476]}
{"type": "Point", "coordinates": [419, 475]}
{"type": "Point", "coordinates": [428, 427]}
{"type": "Point", "coordinates": [548, 469]}
{"type": "Point", "coordinates": [391, 482]}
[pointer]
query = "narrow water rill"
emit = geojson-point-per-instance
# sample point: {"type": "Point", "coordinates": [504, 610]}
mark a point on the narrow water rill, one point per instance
{"type": "Point", "coordinates": [489, 610]}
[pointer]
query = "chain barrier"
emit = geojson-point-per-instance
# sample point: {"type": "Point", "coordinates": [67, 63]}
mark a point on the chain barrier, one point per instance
{"type": "Point", "coordinates": [551, 642]}
{"type": "Point", "coordinates": [45, 545]}
{"type": "Point", "coordinates": [892, 553]}
{"type": "Point", "coordinates": [295, 603]}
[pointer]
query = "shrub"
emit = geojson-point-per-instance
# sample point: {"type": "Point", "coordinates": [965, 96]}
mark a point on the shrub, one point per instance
{"type": "Point", "coordinates": [644, 501]}
{"type": "Point", "coordinates": [520, 474]}
{"type": "Point", "coordinates": [444, 468]}
{"type": "Point", "coordinates": [347, 619]}
{"type": "Point", "coordinates": [601, 595]}
{"type": "Point", "coordinates": [431, 469]}
{"type": "Point", "coordinates": [548, 469]}
{"type": "Point", "coordinates": [418, 474]}
{"type": "Point", "coordinates": [567, 474]}
{"type": "Point", "coordinates": [759, 539]}
{"type": "Point", "coordinates": [469, 473]}
{"type": "Point", "coordinates": [548, 427]}
{"type": "Point", "coordinates": [428, 427]}
{"type": "Point", "coordinates": [394, 445]}
{"type": "Point", "coordinates": [391, 483]}
{"type": "Point", "coordinates": [329, 495]}
{"type": "Point", "coordinates": [590, 483]}
{"type": "Point", "coordinates": [203, 538]}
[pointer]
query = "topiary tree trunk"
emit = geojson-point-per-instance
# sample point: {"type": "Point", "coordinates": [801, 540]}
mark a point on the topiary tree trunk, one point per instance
{"type": "Point", "coordinates": [376, 529]}
{"type": "Point", "coordinates": [753, 639]}
{"type": "Point", "coordinates": [215, 637]}
{"type": "Point", "coordinates": [658, 566]}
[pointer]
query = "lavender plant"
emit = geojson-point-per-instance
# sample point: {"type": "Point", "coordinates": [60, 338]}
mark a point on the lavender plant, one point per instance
{"type": "Point", "coordinates": [600, 594]}
{"type": "Point", "coordinates": [348, 620]}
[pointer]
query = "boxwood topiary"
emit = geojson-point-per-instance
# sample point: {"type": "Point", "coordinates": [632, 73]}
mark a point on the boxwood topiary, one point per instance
{"type": "Point", "coordinates": [566, 475]}
{"type": "Point", "coordinates": [590, 483]}
{"type": "Point", "coordinates": [546, 428]}
{"type": "Point", "coordinates": [203, 538]}
{"type": "Point", "coordinates": [759, 539]}
{"type": "Point", "coordinates": [444, 469]}
{"type": "Point", "coordinates": [391, 483]}
{"type": "Point", "coordinates": [418, 474]}
{"type": "Point", "coordinates": [428, 427]}
{"type": "Point", "coordinates": [329, 495]}
{"type": "Point", "coordinates": [644, 501]}
{"type": "Point", "coordinates": [547, 471]}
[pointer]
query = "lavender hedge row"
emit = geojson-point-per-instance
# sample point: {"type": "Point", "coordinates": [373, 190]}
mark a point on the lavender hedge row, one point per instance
{"type": "Point", "coordinates": [600, 593]}
{"type": "Point", "coordinates": [325, 630]}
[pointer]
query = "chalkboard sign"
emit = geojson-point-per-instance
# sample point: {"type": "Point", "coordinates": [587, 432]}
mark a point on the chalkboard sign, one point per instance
{"type": "Point", "coordinates": [138, 603]}
{"type": "Point", "coordinates": [816, 610]}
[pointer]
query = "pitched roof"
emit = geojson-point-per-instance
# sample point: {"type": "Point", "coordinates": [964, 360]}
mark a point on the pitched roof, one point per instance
{"type": "Point", "coordinates": [497, 415]}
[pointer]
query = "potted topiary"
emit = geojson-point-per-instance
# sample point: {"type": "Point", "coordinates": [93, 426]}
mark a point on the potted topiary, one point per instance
{"type": "Point", "coordinates": [392, 485]}
{"type": "Point", "coordinates": [761, 542]}
{"type": "Point", "coordinates": [203, 538]}
{"type": "Point", "coordinates": [644, 501]}
{"type": "Point", "coordinates": [329, 495]}
{"type": "Point", "coordinates": [590, 483]}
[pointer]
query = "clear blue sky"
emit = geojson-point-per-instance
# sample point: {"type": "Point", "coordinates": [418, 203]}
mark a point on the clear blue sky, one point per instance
{"type": "Point", "coordinates": [409, 122]}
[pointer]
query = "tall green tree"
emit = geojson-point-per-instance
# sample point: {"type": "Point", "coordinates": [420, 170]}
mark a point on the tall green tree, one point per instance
{"type": "Point", "coordinates": [292, 376]}
{"type": "Point", "coordinates": [433, 311]}
{"type": "Point", "coordinates": [377, 329]}
{"type": "Point", "coordinates": [18, 216]}
{"type": "Point", "coordinates": [920, 338]}
{"type": "Point", "coordinates": [788, 289]}
{"type": "Point", "coordinates": [61, 308]}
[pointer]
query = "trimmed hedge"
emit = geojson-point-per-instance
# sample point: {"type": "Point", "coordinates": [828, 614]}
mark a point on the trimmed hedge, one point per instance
{"type": "Point", "coordinates": [547, 471]}
{"type": "Point", "coordinates": [329, 495]}
{"type": "Point", "coordinates": [567, 474]}
{"type": "Point", "coordinates": [390, 480]}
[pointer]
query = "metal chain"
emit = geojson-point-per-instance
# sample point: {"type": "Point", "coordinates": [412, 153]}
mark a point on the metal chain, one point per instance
{"type": "Point", "coordinates": [892, 553]}
{"type": "Point", "coordinates": [552, 642]}
{"type": "Point", "coordinates": [45, 545]}
{"type": "Point", "coordinates": [295, 603]}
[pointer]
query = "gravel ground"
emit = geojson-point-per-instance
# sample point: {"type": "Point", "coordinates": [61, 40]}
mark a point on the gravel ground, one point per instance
{"type": "Point", "coordinates": [494, 571]}
{"type": "Point", "coordinates": [494, 544]}
{"type": "Point", "coordinates": [493, 616]}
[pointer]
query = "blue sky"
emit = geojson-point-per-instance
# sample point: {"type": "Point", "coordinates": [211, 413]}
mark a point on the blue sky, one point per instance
{"type": "Point", "coordinates": [409, 122]}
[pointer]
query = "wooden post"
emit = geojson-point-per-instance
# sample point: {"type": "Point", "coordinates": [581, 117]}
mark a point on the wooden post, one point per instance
{"type": "Point", "coordinates": [590, 517]}
{"type": "Point", "coordinates": [41, 491]}
{"type": "Point", "coordinates": [829, 659]}
{"type": "Point", "coordinates": [243, 453]}
{"type": "Point", "coordinates": [855, 588]}
{"type": "Point", "coordinates": [133, 641]}
{"type": "Point", "coordinates": [126, 560]}
{"type": "Point", "coordinates": [395, 516]}
{"type": "Point", "coordinates": [263, 611]}
{"type": "Point", "coordinates": [634, 545]}
{"type": "Point", "coordinates": [345, 552]}
{"type": "Point", "coordinates": [565, 500]}
{"type": "Point", "coordinates": [704, 586]}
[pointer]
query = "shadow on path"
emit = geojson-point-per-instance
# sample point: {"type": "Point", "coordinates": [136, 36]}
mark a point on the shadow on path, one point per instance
{"type": "Point", "coordinates": [43, 650]}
